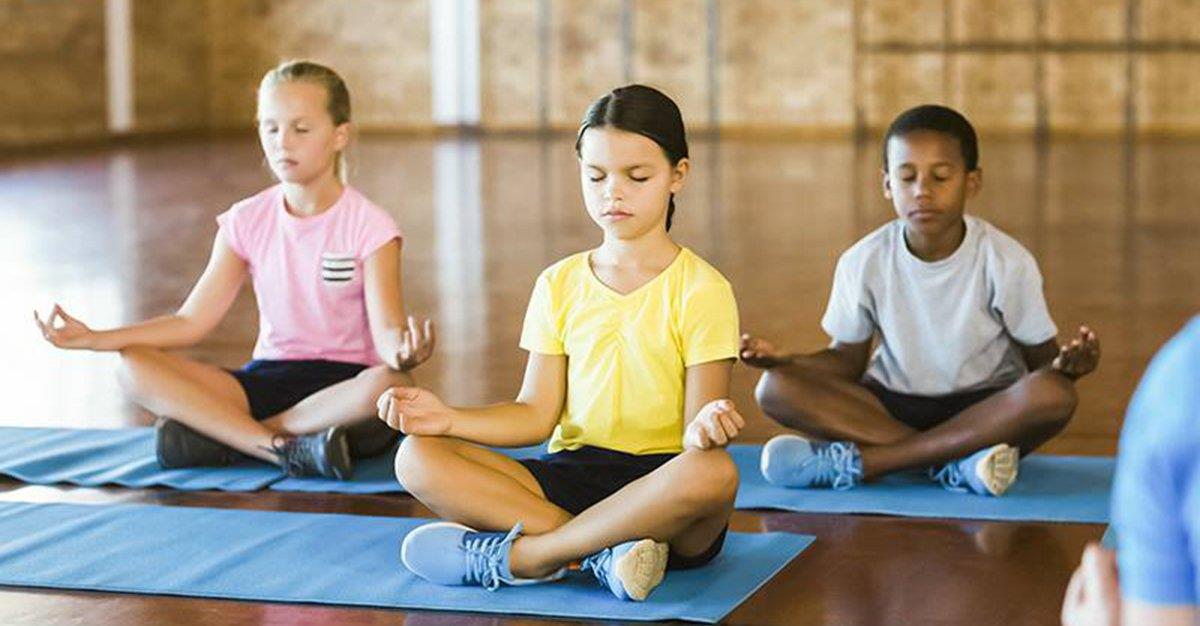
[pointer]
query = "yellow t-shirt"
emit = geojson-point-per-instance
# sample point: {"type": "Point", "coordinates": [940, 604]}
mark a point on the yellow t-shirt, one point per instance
{"type": "Point", "coordinates": [627, 354]}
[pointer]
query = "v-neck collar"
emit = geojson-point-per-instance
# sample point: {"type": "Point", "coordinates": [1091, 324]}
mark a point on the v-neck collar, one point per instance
{"type": "Point", "coordinates": [613, 293]}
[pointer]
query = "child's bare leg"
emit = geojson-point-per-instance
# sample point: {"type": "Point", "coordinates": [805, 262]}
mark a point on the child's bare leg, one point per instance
{"type": "Point", "coordinates": [205, 398]}
{"type": "Point", "coordinates": [686, 503]}
{"type": "Point", "coordinates": [827, 406]}
{"type": "Point", "coordinates": [472, 485]}
{"type": "Point", "coordinates": [1025, 415]}
{"type": "Point", "coordinates": [350, 401]}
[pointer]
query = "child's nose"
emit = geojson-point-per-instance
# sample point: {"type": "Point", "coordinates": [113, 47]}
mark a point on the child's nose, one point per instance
{"type": "Point", "coordinates": [612, 190]}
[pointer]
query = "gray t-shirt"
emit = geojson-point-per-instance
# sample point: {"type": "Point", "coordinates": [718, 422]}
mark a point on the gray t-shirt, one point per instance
{"type": "Point", "coordinates": [947, 326]}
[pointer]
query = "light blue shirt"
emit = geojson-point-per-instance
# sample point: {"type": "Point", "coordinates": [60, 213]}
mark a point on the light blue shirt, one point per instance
{"type": "Point", "coordinates": [1156, 498]}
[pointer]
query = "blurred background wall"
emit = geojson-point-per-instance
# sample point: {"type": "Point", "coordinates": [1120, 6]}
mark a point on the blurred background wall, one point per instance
{"type": "Point", "coordinates": [754, 67]}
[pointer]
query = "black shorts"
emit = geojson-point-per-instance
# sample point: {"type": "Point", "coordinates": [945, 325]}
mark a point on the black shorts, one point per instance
{"type": "Point", "coordinates": [577, 479]}
{"type": "Point", "coordinates": [273, 387]}
{"type": "Point", "coordinates": [925, 412]}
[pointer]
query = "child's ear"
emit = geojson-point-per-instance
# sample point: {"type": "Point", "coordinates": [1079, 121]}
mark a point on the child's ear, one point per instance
{"type": "Point", "coordinates": [887, 184]}
{"type": "Point", "coordinates": [679, 174]}
{"type": "Point", "coordinates": [974, 181]}
{"type": "Point", "coordinates": [341, 136]}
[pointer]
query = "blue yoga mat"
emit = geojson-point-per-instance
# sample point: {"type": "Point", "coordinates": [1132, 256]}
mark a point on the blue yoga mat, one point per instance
{"type": "Point", "coordinates": [91, 458]}
{"type": "Point", "coordinates": [1048, 489]}
{"type": "Point", "coordinates": [376, 475]}
{"type": "Point", "coordinates": [329, 559]}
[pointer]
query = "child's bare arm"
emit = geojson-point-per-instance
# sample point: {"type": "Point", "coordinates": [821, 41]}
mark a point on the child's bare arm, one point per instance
{"type": "Point", "coordinates": [845, 360]}
{"type": "Point", "coordinates": [711, 419]}
{"type": "Point", "coordinates": [1039, 355]}
{"type": "Point", "coordinates": [402, 342]}
{"type": "Point", "coordinates": [1075, 359]}
{"type": "Point", "coordinates": [527, 421]}
{"type": "Point", "coordinates": [203, 309]}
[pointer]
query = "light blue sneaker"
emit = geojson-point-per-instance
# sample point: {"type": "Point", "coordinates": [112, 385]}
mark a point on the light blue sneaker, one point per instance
{"type": "Point", "coordinates": [793, 461]}
{"type": "Point", "coordinates": [989, 472]}
{"type": "Point", "coordinates": [631, 570]}
{"type": "Point", "coordinates": [446, 553]}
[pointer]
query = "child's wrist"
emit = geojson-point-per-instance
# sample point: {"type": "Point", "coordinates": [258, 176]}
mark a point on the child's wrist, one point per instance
{"type": "Point", "coordinates": [100, 341]}
{"type": "Point", "coordinates": [453, 425]}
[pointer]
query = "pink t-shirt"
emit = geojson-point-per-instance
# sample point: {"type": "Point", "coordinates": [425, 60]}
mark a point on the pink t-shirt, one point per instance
{"type": "Point", "coordinates": [308, 273]}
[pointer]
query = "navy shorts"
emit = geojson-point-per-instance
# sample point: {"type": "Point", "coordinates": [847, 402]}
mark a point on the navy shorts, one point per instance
{"type": "Point", "coordinates": [925, 412]}
{"type": "Point", "coordinates": [575, 480]}
{"type": "Point", "coordinates": [273, 387]}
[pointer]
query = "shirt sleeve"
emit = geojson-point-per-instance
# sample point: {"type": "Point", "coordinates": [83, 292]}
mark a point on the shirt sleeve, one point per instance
{"type": "Point", "coordinates": [709, 324]}
{"type": "Point", "coordinates": [229, 231]}
{"type": "Point", "coordinates": [848, 317]}
{"type": "Point", "coordinates": [542, 331]}
{"type": "Point", "coordinates": [1157, 477]}
{"type": "Point", "coordinates": [378, 228]}
{"type": "Point", "coordinates": [1021, 303]}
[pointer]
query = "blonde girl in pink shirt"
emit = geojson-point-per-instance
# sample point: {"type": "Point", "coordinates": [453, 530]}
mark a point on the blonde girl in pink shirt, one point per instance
{"type": "Point", "coordinates": [325, 266]}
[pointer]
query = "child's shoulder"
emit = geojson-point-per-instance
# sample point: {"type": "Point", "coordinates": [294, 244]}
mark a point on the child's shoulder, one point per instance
{"type": "Point", "coordinates": [569, 268]}
{"type": "Point", "coordinates": [697, 270]}
{"type": "Point", "coordinates": [257, 203]}
{"type": "Point", "coordinates": [356, 199]}
{"type": "Point", "coordinates": [997, 245]}
{"type": "Point", "coordinates": [874, 246]}
{"type": "Point", "coordinates": [361, 212]}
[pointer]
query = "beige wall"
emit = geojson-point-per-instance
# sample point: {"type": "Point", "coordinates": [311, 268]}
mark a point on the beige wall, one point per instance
{"type": "Point", "coordinates": [52, 71]}
{"type": "Point", "coordinates": [817, 66]}
{"type": "Point", "coordinates": [380, 47]}
{"type": "Point", "coordinates": [510, 68]}
{"type": "Point", "coordinates": [170, 65]}
{"type": "Point", "coordinates": [758, 66]}
{"type": "Point", "coordinates": [196, 63]}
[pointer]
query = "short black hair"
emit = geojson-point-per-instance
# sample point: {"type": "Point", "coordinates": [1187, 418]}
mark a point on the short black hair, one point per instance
{"type": "Point", "coordinates": [937, 118]}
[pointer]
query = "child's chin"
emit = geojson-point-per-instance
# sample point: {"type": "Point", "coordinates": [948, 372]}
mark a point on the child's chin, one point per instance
{"type": "Point", "coordinates": [289, 176]}
{"type": "Point", "coordinates": [925, 226]}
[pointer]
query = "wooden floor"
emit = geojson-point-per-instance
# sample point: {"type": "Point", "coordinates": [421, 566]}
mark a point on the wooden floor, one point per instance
{"type": "Point", "coordinates": [116, 235]}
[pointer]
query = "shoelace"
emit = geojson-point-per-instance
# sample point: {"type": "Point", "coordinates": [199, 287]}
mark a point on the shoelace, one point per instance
{"type": "Point", "coordinates": [485, 557]}
{"type": "Point", "coordinates": [598, 564]}
{"type": "Point", "coordinates": [950, 476]}
{"type": "Point", "coordinates": [295, 454]}
{"type": "Point", "coordinates": [841, 469]}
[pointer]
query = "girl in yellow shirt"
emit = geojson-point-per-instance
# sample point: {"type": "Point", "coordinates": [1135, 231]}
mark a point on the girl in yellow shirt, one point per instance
{"type": "Point", "coordinates": [630, 349]}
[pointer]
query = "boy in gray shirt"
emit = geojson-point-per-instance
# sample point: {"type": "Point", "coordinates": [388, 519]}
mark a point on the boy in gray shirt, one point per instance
{"type": "Point", "coordinates": [967, 375]}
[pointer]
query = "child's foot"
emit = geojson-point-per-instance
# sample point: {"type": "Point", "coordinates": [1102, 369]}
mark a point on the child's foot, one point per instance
{"type": "Point", "coordinates": [446, 553]}
{"type": "Point", "coordinates": [370, 437]}
{"type": "Point", "coordinates": [988, 472]}
{"type": "Point", "coordinates": [793, 461]}
{"type": "Point", "coordinates": [176, 446]}
{"type": "Point", "coordinates": [325, 453]}
{"type": "Point", "coordinates": [631, 570]}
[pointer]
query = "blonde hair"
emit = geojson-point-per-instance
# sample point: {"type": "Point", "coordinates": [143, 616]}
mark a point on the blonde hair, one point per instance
{"type": "Point", "coordinates": [337, 103]}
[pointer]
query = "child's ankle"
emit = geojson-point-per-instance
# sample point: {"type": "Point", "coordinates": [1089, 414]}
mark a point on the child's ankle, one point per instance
{"type": "Point", "coordinates": [524, 563]}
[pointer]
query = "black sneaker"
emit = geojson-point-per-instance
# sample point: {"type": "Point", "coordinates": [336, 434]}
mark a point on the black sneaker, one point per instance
{"type": "Point", "coordinates": [370, 437]}
{"type": "Point", "coordinates": [177, 446]}
{"type": "Point", "coordinates": [326, 453]}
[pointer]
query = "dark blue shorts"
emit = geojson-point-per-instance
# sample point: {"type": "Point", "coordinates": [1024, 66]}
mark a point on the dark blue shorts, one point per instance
{"type": "Point", "coordinates": [575, 480]}
{"type": "Point", "coordinates": [925, 412]}
{"type": "Point", "coordinates": [273, 387]}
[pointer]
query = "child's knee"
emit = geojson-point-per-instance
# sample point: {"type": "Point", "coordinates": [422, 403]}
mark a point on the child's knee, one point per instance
{"type": "Point", "coordinates": [380, 378]}
{"type": "Point", "coordinates": [769, 393]}
{"type": "Point", "coordinates": [133, 360]}
{"type": "Point", "coordinates": [1051, 398]}
{"type": "Point", "coordinates": [711, 479]}
{"type": "Point", "coordinates": [781, 390]}
{"type": "Point", "coordinates": [415, 461]}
